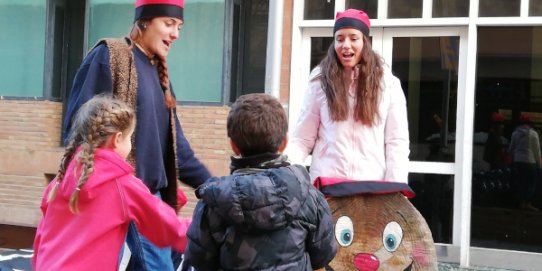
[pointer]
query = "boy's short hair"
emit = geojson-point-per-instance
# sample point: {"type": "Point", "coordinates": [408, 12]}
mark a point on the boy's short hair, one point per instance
{"type": "Point", "coordinates": [257, 124]}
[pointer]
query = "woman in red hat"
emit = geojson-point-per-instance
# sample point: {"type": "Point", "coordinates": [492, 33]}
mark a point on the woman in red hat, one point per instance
{"type": "Point", "coordinates": [134, 69]}
{"type": "Point", "coordinates": [526, 154]}
{"type": "Point", "coordinates": [354, 117]}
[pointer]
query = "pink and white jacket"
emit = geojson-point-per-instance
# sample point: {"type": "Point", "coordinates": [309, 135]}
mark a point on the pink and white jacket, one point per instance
{"type": "Point", "coordinates": [109, 200]}
{"type": "Point", "coordinates": [348, 149]}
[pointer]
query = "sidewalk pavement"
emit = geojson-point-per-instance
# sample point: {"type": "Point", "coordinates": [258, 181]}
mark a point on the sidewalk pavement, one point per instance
{"type": "Point", "coordinates": [19, 260]}
{"type": "Point", "coordinates": [455, 267]}
{"type": "Point", "coordinates": [15, 259]}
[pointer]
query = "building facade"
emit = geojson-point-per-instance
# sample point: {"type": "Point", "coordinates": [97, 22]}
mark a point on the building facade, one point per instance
{"type": "Point", "coordinates": [460, 62]}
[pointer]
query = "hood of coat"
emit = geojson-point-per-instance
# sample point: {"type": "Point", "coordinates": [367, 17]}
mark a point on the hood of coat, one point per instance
{"type": "Point", "coordinates": [523, 130]}
{"type": "Point", "coordinates": [108, 166]}
{"type": "Point", "coordinates": [256, 199]}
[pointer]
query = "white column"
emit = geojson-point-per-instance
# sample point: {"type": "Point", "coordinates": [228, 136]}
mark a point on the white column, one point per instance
{"type": "Point", "coordinates": [274, 48]}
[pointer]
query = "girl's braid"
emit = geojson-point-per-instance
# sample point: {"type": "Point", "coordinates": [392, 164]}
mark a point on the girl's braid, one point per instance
{"type": "Point", "coordinates": [164, 81]}
{"type": "Point", "coordinates": [94, 138]}
{"type": "Point", "coordinates": [66, 158]}
{"type": "Point", "coordinates": [96, 121]}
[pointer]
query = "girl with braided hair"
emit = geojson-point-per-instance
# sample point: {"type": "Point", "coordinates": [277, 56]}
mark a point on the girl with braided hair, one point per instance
{"type": "Point", "coordinates": [134, 70]}
{"type": "Point", "coordinates": [89, 206]}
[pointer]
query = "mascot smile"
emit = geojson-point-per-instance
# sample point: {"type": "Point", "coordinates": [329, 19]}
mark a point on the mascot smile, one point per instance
{"type": "Point", "coordinates": [376, 227]}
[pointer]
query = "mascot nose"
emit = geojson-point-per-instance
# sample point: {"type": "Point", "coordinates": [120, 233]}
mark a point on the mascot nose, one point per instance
{"type": "Point", "coordinates": [366, 262]}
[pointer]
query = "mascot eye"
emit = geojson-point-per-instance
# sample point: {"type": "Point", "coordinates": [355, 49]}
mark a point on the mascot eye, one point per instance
{"type": "Point", "coordinates": [392, 236]}
{"type": "Point", "coordinates": [344, 231]}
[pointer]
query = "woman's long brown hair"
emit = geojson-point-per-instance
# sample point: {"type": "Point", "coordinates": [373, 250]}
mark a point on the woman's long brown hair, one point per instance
{"type": "Point", "coordinates": [368, 87]}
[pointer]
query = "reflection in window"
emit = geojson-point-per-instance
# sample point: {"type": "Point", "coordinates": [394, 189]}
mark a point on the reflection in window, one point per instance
{"type": "Point", "coordinates": [435, 200]}
{"type": "Point", "coordinates": [427, 68]}
{"type": "Point", "coordinates": [404, 9]}
{"type": "Point", "coordinates": [499, 8]}
{"type": "Point", "coordinates": [535, 8]}
{"type": "Point", "coordinates": [369, 6]}
{"type": "Point", "coordinates": [319, 47]}
{"type": "Point", "coordinates": [450, 8]}
{"type": "Point", "coordinates": [109, 19]}
{"type": "Point", "coordinates": [22, 54]}
{"type": "Point", "coordinates": [319, 10]}
{"type": "Point", "coordinates": [508, 83]}
{"type": "Point", "coordinates": [248, 48]}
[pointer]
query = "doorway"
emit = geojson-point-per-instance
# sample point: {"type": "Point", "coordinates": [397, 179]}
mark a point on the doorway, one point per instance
{"type": "Point", "coordinates": [431, 65]}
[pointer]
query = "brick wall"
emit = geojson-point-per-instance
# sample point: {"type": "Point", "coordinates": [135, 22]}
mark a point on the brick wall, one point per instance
{"type": "Point", "coordinates": [30, 147]}
{"type": "Point", "coordinates": [205, 128]}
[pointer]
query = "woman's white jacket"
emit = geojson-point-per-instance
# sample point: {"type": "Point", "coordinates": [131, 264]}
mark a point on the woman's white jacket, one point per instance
{"type": "Point", "coordinates": [349, 149]}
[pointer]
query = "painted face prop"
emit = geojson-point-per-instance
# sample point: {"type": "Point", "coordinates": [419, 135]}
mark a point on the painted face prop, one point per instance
{"type": "Point", "coordinates": [378, 230]}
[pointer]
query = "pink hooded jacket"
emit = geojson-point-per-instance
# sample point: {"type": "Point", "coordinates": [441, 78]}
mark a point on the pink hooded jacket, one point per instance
{"type": "Point", "coordinates": [348, 149]}
{"type": "Point", "coordinates": [109, 200]}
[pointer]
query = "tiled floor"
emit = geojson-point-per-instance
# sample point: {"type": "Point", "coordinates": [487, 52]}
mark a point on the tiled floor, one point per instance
{"type": "Point", "coordinates": [20, 260]}
{"type": "Point", "coordinates": [454, 267]}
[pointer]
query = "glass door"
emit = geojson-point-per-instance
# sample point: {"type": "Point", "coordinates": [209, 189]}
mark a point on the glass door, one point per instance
{"type": "Point", "coordinates": [430, 62]}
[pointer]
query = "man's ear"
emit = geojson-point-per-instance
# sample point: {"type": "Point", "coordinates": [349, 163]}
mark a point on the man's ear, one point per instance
{"type": "Point", "coordinates": [283, 144]}
{"type": "Point", "coordinates": [234, 148]}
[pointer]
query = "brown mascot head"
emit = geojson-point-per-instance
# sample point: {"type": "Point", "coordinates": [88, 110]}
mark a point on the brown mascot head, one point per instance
{"type": "Point", "coordinates": [377, 228]}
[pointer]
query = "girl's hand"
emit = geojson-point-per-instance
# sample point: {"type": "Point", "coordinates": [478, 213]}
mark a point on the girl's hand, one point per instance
{"type": "Point", "coordinates": [181, 199]}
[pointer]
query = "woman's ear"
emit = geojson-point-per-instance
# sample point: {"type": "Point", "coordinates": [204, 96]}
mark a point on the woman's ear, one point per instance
{"type": "Point", "coordinates": [234, 148]}
{"type": "Point", "coordinates": [283, 144]}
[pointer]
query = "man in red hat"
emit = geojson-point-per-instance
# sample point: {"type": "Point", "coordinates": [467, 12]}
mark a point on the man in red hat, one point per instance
{"type": "Point", "coordinates": [494, 149]}
{"type": "Point", "coordinates": [134, 69]}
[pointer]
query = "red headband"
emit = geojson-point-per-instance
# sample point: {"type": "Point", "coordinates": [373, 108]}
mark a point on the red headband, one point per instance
{"type": "Point", "coordinates": [352, 18]}
{"type": "Point", "coordinates": [146, 9]}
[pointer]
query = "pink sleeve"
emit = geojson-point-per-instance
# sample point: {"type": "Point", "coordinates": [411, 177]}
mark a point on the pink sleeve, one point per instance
{"type": "Point", "coordinates": [154, 219]}
{"type": "Point", "coordinates": [43, 207]}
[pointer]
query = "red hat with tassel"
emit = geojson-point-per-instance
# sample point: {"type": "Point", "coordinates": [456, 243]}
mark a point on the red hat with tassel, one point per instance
{"type": "Point", "coordinates": [146, 9]}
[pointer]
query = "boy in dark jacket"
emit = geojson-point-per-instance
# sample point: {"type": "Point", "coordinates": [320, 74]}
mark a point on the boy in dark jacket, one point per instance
{"type": "Point", "coordinates": [266, 215]}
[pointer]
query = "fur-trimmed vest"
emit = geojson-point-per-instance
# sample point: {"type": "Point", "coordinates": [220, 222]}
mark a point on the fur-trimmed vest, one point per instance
{"type": "Point", "coordinates": [124, 77]}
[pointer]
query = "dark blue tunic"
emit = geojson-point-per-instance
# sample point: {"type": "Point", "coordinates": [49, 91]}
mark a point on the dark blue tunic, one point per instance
{"type": "Point", "coordinates": [152, 130]}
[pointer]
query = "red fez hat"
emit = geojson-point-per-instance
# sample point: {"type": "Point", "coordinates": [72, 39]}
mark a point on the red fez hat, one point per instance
{"type": "Point", "coordinates": [146, 9]}
{"type": "Point", "coordinates": [497, 117]}
{"type": "Point", "coordinates": [352, 18]}
{"type": "Point", "coordinates": [524, 118]}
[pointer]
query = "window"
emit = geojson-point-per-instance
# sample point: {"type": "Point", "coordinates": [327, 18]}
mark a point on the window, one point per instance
{"type": "Point", "coordinates": [535, 7]}
{"type": "Point", "coordinates": [427, 68]}
{"type": "Point", "coordinates": [499, 8]}
{"type": "Point", "coordinates": [404, 9]}
{"type": "Point", "coordinates": [435, 201]}
{"type": "Point", "coordinates": [450, 8]}
{"type": "Point", "coordinates": [195, 60]}
{"type": "Point", "coordinates": [319, 10]}
{"type": "Point", "coordinates": [508, 82]}
{"type": "Point", "coordinates": [248, 47]}
{"type": "Point", "coordinates": [22, 24]}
